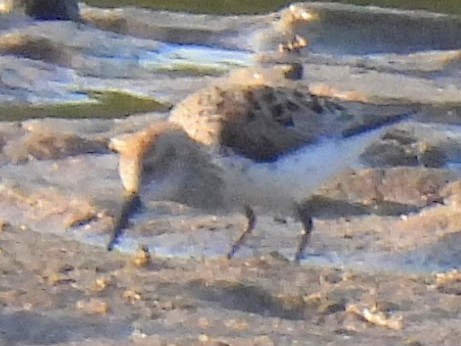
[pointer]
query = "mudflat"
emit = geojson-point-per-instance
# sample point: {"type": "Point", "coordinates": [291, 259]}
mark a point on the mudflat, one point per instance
{"type": "Point", "coordinates": [65, 292]}
{"type": "Point", "coordinates": [382, 265]}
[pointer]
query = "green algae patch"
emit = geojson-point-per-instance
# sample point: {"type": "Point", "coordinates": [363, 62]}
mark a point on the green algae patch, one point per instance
{"type": "Point", "coordinates": [107, 104]}
{"type": "Point", "coordinates": [263, 6]}
{"type": "Point", "coordinates": [224, 7]}
{"type": "Point", "coordinates": [447, 6]}
{"type": "Point", "coordinates": [194, 70]}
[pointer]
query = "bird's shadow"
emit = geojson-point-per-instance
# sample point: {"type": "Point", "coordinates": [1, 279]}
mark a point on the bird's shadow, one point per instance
{"type": "Point", "coordinates": [329, 208]}
{"type": "Point", "coordinates": [249, 298]}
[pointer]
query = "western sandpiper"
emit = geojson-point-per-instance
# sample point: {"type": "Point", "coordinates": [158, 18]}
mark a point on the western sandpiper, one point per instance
{"type": "Point", "coordinates": [250, 147]}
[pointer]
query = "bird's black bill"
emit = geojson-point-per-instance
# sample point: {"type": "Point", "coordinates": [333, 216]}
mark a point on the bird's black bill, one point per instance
{"type": "Point", "coordinates": [131, 203]}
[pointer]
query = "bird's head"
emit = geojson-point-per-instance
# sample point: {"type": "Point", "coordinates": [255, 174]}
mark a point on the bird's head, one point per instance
{"type": "Point", "coordinates": [141, 150]}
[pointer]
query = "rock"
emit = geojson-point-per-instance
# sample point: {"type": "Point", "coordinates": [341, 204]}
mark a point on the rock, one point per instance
{"type": "Point", "coordinates": [45, 9]}
{"type": "Point", "coordinates": [394, 153]}
{"type": "Point", "coordinates": [414, 186]}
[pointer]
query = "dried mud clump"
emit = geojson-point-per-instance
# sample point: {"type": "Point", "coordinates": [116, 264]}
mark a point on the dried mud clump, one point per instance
{"type": "Point", "coordinates": [376, 317]}
{"type": "Point", "coordinates": [142, 258]}
{"type": "Point", "coordinates": [50, 146]}
{"type": "Point", "coordinates": [93, 306]}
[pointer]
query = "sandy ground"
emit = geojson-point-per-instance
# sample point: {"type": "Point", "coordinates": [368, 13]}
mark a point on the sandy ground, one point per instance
{"type": "Point", "coordinates": [65, 293]}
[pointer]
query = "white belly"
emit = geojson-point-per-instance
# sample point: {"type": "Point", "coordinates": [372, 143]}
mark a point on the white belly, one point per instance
{"type": "Point", "coordinates": [294, 177]}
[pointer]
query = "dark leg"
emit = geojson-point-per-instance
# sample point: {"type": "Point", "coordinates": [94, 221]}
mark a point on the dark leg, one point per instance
{"type": "Point", "coordinates": [251, 218]}
{"type": "Point", "coordinates": [131, 202]}
{"type": "Point", "coordinates": [306, 220]}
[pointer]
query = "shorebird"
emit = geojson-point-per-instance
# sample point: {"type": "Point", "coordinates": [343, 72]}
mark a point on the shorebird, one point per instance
{"type": "Point", "coordinates": [283, 33]}
{"type": "Point", "coordinates": [249, 147]}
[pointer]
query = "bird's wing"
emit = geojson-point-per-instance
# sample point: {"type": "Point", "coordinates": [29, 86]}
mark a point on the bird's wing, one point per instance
{"type": "Point", "coordinates": [263, 122]}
